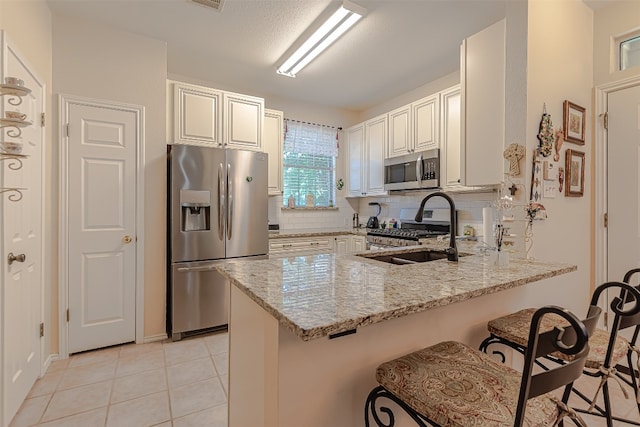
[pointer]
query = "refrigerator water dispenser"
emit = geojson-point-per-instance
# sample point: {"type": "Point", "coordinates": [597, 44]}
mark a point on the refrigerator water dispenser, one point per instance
{"type": "Point", "coordinates": [195, 207]}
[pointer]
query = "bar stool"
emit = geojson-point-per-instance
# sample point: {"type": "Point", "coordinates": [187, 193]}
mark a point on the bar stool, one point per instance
{"type": "Point", "coordinates": [450, 384]}
{"type": "Point", "coordinates": [607, 349]}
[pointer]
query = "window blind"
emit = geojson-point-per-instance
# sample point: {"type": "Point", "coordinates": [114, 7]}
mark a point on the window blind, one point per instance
{"type": "Point", "coordinates": [310, 153]}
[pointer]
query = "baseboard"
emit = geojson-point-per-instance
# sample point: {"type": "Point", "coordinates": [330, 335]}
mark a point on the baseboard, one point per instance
{"type": "Point", "coordinates": [154, 338]}
{"type": "Point", "coordinates": [52, 358]}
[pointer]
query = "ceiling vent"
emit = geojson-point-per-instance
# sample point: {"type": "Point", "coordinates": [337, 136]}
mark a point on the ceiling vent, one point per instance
{"type": "Point", "coordinates": [214, 4]}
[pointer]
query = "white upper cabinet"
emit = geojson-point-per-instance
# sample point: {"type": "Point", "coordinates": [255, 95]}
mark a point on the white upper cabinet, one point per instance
{"type": "Point", "coordinates": [366, 148]}
{"type": "Point", "coordinates": [426, 122]}
{"type": "Point", "coordinates": [272, 140]}
{"type": "Point", "coordinates": [206, 116]}
{"type": "Point", "coordinates": [243, 120]}
{"type": "Point", "coordinates": [450, 136]}
{"type": "Point", "coordinates": [400, 132]}
{"type": "Point", "coordinates": [197, 115]}
{"type": "Point", "coordinates": [414, 127]}
{"type": "Point", "coordinates": [375, 134]}
{"type": "Point", "coordinates": [355, 156]}
{"type": "Point", "coordinates": [482, 65]}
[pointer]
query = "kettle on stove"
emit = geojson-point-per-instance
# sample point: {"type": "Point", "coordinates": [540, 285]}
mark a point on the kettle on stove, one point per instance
{"type": "Point", "coordinates": [373, 222]}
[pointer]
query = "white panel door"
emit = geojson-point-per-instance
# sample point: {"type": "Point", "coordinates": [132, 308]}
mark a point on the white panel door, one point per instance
{"type": "Point", "coordinates": [21, 236]}
{"type": "Point", "coordinates": [623, 183]}
{"type": "Point", "coordinates": [101, 226]}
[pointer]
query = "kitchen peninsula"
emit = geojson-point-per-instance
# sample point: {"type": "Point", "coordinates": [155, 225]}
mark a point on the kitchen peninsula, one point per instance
{"type": "Point", "coordinates": [307, 332]}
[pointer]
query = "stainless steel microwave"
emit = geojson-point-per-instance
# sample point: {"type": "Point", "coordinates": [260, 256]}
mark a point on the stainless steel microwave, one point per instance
{"type": "Point", "coordinates": [413, 171]}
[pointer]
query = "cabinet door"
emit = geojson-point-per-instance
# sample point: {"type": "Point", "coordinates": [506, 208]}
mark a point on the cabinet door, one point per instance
{"type": "Point", "coordinates": [450, 159]}
{"type": "Point", "coordinates": [272, 145]}
{"type": "Point", "coordinates": [243, 119]}
{"type": "Point", "coordinates": [358, 244]}
{"type": "Point", "coordinates": [355, 150]}
{"type": "Point", "coordinates": [400, 135]}
{"type": "Point", "coordinates": [341, 245]}
{"type": "Point", "coordinates": [426, 122]}
{"type": "Point", "coordinates": [483, 106]}
{"type": "Point", "coordinates": [197, 118]}
{"type": "Point", "coordinates": [375, 145]}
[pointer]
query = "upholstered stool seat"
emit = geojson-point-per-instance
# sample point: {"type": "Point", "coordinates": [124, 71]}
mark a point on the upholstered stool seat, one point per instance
{"type": "Point", "coordinates": [515, 328]}
{"type": "Point", "coordinates": [450, 384]}
{"type": "Point", "coordinates": [455, 385]}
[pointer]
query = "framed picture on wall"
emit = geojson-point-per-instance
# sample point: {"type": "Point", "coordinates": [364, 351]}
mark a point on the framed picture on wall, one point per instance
{"type": "Point", "coordinates": [574, 167]}
{"type": "Point", "coordinates": [574, 123]}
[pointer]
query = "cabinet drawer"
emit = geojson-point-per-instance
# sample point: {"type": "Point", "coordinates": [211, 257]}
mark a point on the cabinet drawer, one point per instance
{"type": "Point", "coordinates": [293, 245]}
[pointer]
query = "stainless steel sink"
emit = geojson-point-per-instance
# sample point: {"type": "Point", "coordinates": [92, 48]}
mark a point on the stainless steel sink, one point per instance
{"type": "Point", "coordinates": [414, 257]}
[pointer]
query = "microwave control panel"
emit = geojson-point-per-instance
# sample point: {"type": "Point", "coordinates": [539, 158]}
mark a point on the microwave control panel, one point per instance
{"type": "Point", "coordinates": [431, 167]}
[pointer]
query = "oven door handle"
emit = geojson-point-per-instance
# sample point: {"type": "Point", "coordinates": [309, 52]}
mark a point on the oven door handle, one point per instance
{"type": "Point", "coordinates": [419, 167]}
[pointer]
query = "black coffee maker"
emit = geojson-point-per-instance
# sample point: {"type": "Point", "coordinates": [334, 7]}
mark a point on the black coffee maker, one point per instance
{"type": "Point", "coordinates": [373, 222]}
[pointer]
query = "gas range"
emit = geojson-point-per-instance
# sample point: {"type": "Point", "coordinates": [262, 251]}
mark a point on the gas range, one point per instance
{"type": "Point", "coordinates": [410, 232]}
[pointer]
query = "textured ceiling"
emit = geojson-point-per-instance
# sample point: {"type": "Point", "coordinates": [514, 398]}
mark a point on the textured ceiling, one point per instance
{"type": "Point", "coordinates": [398, 46]}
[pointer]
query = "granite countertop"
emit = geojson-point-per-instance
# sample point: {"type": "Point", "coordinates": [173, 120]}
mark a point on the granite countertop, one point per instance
{"type": "Point", "coordinates": [324, 294]}
{"type": "Point", "coordinates": [316, 232]}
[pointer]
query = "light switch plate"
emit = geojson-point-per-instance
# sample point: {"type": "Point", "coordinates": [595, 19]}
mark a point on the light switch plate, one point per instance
{"type": "Point", "coordinates": [549, 171]}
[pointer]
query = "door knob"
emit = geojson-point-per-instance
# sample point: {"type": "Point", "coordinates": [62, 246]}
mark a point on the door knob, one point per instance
{"type": "Point", "coordinates": [17, 258]}
{"type": "Point", "coordinates": [127, 239]}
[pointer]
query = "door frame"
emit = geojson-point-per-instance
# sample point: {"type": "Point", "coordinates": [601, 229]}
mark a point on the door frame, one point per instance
{"type": "Point", "coordinates": [64, 102]}
{"type": "Point", "coordinates": [600, 154]}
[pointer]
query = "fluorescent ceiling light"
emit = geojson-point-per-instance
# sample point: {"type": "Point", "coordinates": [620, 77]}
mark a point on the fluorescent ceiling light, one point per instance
{"type": "Point", "coordinates": [343, 19]}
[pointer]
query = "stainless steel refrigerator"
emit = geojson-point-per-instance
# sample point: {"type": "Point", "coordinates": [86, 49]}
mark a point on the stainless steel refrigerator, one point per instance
{"type": "Point", "coordinates": [217, 210]}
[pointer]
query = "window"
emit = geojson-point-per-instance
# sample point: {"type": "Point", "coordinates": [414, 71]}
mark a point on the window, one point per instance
{"type": "Point", "coordinates": [629, 51]}
{"type": "Point", "coordinates": [310, 153]}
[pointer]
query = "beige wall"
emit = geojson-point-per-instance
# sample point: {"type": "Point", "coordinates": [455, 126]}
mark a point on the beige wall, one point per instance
{"type": "Point", "coordinates": [614, 20]}
{"type": "Point", "coordinates": [28, 26]}
{"type": "Point", "coordinates": [99, 62]}
{"type": "Point", "coordinates": [559, 67]}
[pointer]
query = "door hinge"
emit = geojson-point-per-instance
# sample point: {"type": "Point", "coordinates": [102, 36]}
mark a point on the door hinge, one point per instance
{"type": "Point", "coordinates": [606, 220]}
{"type": "Point", "coordinates": [67, 314]}
{"type": "Point", "coordinates": [42, 120]}
{"type": "Point", "coordinates": [606, 319]}
{"type": "Point", "coordinates": [41, 330]}
{"type": "Point", "coordinates": [606, 120]}
{"type": "Point", "coordinates": [67, 129]}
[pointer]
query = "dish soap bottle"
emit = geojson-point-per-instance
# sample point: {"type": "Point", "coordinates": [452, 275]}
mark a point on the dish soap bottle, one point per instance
{"type": "Point", "coordinates": [291, 202]}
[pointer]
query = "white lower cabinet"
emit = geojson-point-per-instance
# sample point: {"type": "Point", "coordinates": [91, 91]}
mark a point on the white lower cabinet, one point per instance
{"type": "Point", "coordinates": [349, 244]}
{"type": "Point", "coordinates": [341, 244]}
{"type": "Point", "coordinates": [358, 243]}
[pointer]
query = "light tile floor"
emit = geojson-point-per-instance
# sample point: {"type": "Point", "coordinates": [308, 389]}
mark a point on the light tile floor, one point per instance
{"type": "Point", "coordinates": [181, 384]}
{"type": "Point", "coordinates": [164, 384]}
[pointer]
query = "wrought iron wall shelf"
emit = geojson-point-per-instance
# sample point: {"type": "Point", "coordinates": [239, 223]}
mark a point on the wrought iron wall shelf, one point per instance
{"type": "Point", "coordinates": [15, 125]}
{"type": "Point", "coordinates": [16, 93]}
{"type": "Point", "coordinates": [14, 161]}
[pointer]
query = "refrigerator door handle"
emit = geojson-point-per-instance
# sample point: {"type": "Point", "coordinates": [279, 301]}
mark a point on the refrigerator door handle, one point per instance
{"type": "Point", "coordinates": [230, 202]}
{"type": "Point", "coordinates": [221, 203]}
